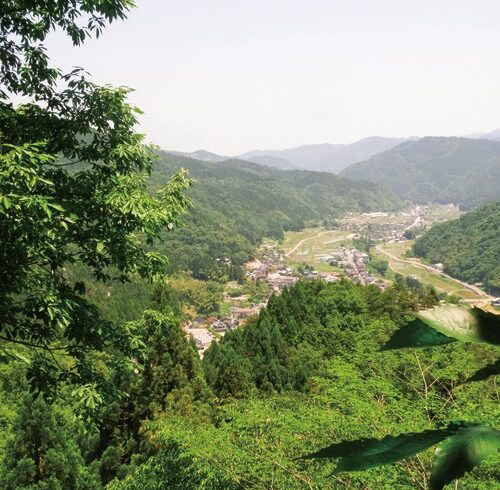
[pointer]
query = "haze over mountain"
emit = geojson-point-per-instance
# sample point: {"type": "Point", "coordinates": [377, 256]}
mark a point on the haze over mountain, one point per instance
{"type": "Point", "coordinates": [323, 157]}
{"type": "Point", "coordinates": [326, 157]}
{"type": "Point", "coordinates": [492, 135]}
{"type": "Point", "coordinates": [463, 171]}
{"type": "Point", "coordinates": [203, 155]}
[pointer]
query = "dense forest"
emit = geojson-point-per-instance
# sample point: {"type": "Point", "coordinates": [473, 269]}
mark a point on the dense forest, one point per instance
{"type": "Point", "coordinates": [468, 247]}
{"type": "Point", "coordinates": [307, 370]}
{"type": "Point", "coordinates": [461, 171]}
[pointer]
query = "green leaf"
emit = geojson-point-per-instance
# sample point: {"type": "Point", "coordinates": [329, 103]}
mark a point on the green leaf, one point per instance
{"type": "Point", "coordinates": [416, 334]}
{"type": "Point", "coordinates": [368, 453]}
{"type": "Point", "coordinates": [462, 452]}
{"type": "Point", "coordinates": [445, 324]}
{"type": "Point", "coordinates": [484, 373]}
{"type": "Point", "coordinates": [464, 323]}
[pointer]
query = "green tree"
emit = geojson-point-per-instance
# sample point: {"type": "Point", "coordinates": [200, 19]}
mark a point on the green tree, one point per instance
{"type": "Point", "coordinates": [41, 455]}
{"type": "Point", "coordinates": [72, 182]}
{"type": "Point", "coordinates": [170, 363]}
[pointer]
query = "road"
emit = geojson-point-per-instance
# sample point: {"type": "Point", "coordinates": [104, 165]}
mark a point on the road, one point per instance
{"type": "Point", "coordinates": [429, 268]}
{"type": "Point", "coordinates": [352, 262]}
{"type": "Point", "coordinates": [418, 219]}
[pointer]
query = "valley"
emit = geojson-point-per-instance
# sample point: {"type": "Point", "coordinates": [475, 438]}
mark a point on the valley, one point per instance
{"type": "Point", "coordinates": [354, 247]}
{"type": "Point", "coordinates": [301, 308]}
{"type": "Point", "coordinates": [324, 250]}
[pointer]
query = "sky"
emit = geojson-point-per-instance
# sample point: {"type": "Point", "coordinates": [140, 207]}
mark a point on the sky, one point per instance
{"type": "Point", "coordinates": [235, 75]}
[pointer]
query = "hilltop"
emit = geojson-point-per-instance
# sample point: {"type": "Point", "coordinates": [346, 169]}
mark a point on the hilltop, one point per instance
{"type": "Point", "coordinates": [463, 171]}
{"type": "Point", "coordinates": [203, 155]}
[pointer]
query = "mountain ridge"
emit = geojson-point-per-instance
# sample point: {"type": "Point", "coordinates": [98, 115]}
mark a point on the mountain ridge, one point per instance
{"type": "Point", "coordinates": [457, 170]}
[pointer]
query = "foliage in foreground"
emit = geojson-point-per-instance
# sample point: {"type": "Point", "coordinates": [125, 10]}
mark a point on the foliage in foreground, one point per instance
{"type": "Point", "coordinates": [72, 192]}
{"type": "Point", "coordinates": [465, 446]}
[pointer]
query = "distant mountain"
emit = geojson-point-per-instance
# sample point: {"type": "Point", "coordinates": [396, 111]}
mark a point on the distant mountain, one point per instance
{"type": "Point", "coordinates": [492, 135]}
{"type": "Point", "coordinates": [469, 247]}
{"type": "Point", "coordinates": [270, 161]}
{"type": "Point", "coordinates": [463, 171]}
{"type": "Point", "coordinates": [203, 155]}
{"type": "Point", "coordinates": [324, 157]}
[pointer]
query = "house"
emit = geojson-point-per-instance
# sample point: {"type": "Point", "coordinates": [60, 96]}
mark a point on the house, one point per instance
{"type": "Point", "coordinates": [219, 326]}
{"type": "Point", "coordinates": [495, 302]}
{"type": "Point", "coordinates": [202, 338]}
{"type": "Point", "coordinates": [329, 276]}
{"type": "Point", "coordinates": [242, 313]}
{"type": "Point", "coordinates": [239, 299]}
{"type": "Point", "coordinates": [285, 281]}
{"type": "Point", "coordinates": [255, 265]}
{"type": "Point", "coordinates": [439, 266]}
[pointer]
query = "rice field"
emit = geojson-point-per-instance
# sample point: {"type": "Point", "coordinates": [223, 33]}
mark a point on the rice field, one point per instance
{"type": "Point", "coordinates": [310, 245]}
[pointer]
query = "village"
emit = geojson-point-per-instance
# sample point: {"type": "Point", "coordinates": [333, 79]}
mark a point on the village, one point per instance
{"type": "Point", "coordinates": [323, 254]}
{"type": "Point", "coordinates": [270, 270]}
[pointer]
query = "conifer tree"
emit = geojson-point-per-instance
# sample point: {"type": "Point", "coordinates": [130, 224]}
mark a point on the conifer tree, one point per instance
{"type": "Point", "coordinates": [41, 455]}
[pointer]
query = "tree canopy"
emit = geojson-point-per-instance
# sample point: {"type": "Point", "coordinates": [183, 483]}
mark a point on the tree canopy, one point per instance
{"type": "Point", "coordinates": [72, 183]}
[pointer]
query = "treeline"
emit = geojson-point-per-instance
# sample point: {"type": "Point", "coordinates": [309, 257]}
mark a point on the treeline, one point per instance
{"type": "Point", "coordinates": [468, 247]}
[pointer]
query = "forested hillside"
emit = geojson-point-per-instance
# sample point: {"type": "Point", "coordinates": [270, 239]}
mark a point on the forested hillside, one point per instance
{"type": "Point", "coordinates": [306, 373]}
{"type": "Point", "coordinates": [469, 247]}
{"type": "Point", "coordinates": [462, 171]}
{"type": "Point", "coordinates": [237, 203]}
{"type": "Point", "coordinates": [110, 380]}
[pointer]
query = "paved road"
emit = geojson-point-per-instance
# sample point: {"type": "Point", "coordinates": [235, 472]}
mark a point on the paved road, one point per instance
{"type": "Point", "coordinates": [416, 263]}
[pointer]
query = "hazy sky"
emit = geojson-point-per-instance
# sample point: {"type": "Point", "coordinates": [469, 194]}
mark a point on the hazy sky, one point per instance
{"type": "Point", "coordinates": [235, 75]}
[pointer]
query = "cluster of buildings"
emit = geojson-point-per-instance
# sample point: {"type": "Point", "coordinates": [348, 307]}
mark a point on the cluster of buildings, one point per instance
{"type": "Point", "coordinates": [280, 280]}
{"type": "Point", "coordinates": [270, 260]}
{"type": "Point", "coordinates": [383, 232]}
{"type": "Point", "coordinates": [271, 269]}
{"type": "Point", "coordinates": [205, 330]}
{"type": "Point", "coordinates": [354, 262]}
